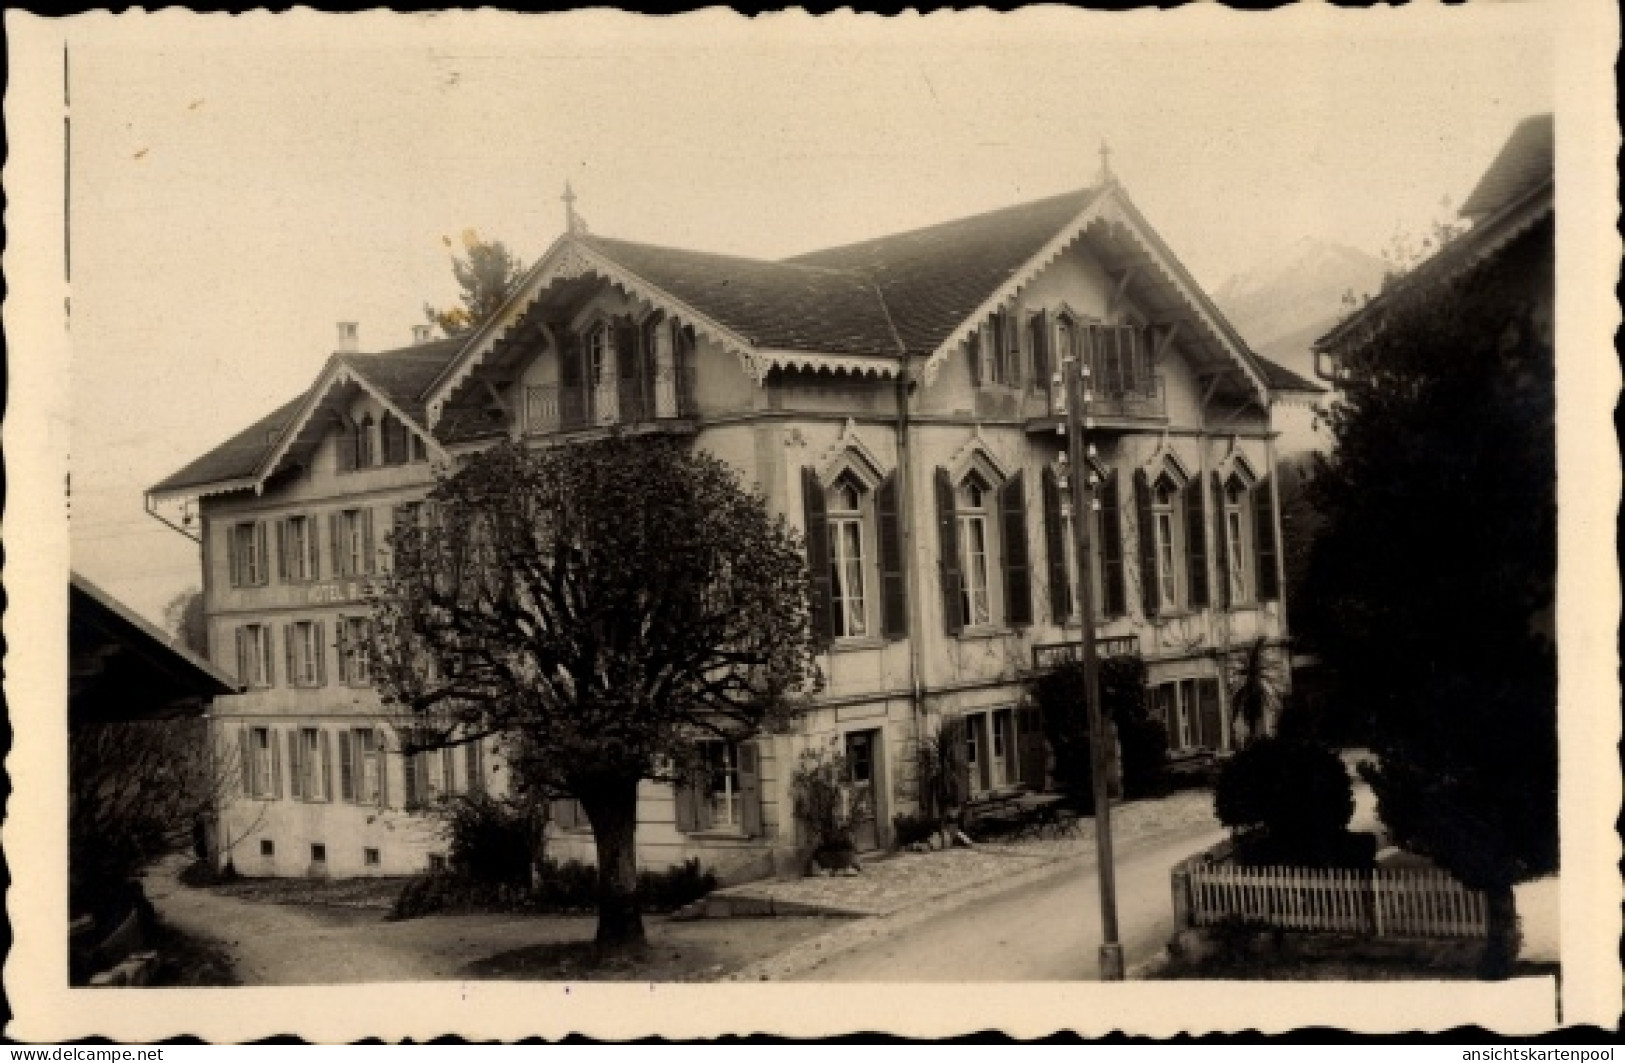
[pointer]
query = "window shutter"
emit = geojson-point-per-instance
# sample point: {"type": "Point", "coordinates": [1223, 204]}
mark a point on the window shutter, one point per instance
{"type": "Point", "coordinates": [262, 554]}
{"type": "Point", "coordinates": [383, 769]}
{"type": "Point", "coordinates": [347, 787]}
{"type": "Point", "coordinates": [320, 652]}
{"type": "Point", "coordinates": [973, 358]}
{"type": "Point", "coordinates": [819, 587]}
{"type": "Point", "coordinates": [1012, 348]}
{"type": "Point", "coordinates": [476, 769]}
{"type": "Point", "coordinates": [948, 531]}
{"type": "Point", "coordinates": [287, 654]}
{"type": "Point", "coordinates": [1196, 541]}
{"type": "Point", "coordinates": [1148, 543]}
{"type": "Point", "coordinates": [265, 654]}
{"type": "Point", "coordinates": [233, 562]}
{"type": "Point", "coordinates": [750, 788]}
{"type": "Point", "coordinates": [893, 593]}
{"type": "Point", "coordinates": [276, 764]}
{"type": "Point", "coordinates": [1041, 344]}
{"type": "Point", "coordinates": [1060, 589]}
{"type": "Point", "coordinates": [242, 656]}
{"type": "Point", "coordinates": [248, 761]}
{"type": "Point", "coordinates": [342, 630]}
{"type": "Point", "coordinates": [282, 550]}
{"type": "Point", "coordinates": [687, 804]}
{"type": "Point", "coordinates": [1032, 753]}
{"type": "Point", "coordinates": [1269, 576]}
{"type": "Point", "coordinates": [1115, 598]}
{"type": "Point", "coordinates": [411, 790]}
{"type": "Point", "coordinates": [1207, 697]}
{"type": "Point", "coordinates": [369, 559]}
{"type": "Point", "coordinates": [335, 534]}
{"type": "Point", "coordinates": [1018, 595]}
{"type": "Point", "coordinates": [1221, 545]}
{"type": "Point", "coordinates": [312, 526]}
{"type": "Point", "coordinates": [296, 766]}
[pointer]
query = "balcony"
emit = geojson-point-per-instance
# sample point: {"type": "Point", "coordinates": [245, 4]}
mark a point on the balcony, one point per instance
{"type": "Point", "coordinates": [1048, 656]}
{"type": "Point", "coordinates": [1114, 405]}
{"type": "Point", "coordinates": [666, 394]}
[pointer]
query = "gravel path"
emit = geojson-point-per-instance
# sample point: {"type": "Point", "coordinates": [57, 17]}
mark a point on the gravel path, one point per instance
{"type": "Point", "coordinates": [908, 880]}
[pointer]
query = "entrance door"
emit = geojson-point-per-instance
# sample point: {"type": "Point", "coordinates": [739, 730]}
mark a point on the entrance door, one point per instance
{"type": "Point", "coordinates": [861, 749]}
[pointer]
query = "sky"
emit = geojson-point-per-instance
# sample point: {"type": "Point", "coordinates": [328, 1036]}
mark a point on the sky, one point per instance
{"type": "Point", "coordinates": [239, 186]}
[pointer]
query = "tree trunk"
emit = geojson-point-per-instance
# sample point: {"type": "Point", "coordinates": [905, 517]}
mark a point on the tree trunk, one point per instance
{"type": "Point", "coordinates": [612, 809]}
{"type": "Point", "coordinates": [1503, 940]}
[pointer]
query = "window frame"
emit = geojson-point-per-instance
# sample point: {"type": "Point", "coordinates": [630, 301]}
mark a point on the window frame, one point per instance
{"type": "Point", "coordinates": [256, 639]}
{"type": "Point", "coordinates": [300, 552]}
{"type": "Point", "coordinates": [841, 519]}
{"type": "Point", "coordinates": [731, 792]}
{"type": "Point", "coordinates": [1168, 530]}
{"type": "Point", "coordinates": [982, 515]}
{"type": "Point", "coordinates": [262, 764]}
{"type": "Point", "coordinates": [305, 655]}
{"type": "Point", "coordinates": [246, 553]}
{"type": "Point", "coordinates": [1240, 544]}
{"type": "Point", "coordinates": [355, 658]}
{"type": "Point", "coordinates": [314, 767]}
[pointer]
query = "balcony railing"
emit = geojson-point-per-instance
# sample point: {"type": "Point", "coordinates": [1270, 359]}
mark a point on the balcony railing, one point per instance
{"type": "Point", "coordinates": [1141, 400]}
{"type": "Point", "coordinates": [664, 394]}
{"type": "Point", "coordinates": [1057, 653]}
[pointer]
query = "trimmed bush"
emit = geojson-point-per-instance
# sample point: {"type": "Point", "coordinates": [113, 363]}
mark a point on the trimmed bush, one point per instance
{"type": "Point", "coordinates": [492, 840]}
{"type": "Point", "coordinates": [1288, 802]}
{"type": "Point", "coordinates": [910, 829]}
{"type": "Point", "coordinates": [570, 887]}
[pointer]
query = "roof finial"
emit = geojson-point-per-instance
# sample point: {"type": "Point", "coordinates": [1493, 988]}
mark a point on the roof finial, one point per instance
{"type": "Point", "coordinates": [572, 224]}
{"type": "Point", "coordinates": [1106, 175]}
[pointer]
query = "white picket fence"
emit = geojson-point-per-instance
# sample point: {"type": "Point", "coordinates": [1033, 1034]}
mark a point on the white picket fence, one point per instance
{"type": "Point", "coordinates": [1385, 903]}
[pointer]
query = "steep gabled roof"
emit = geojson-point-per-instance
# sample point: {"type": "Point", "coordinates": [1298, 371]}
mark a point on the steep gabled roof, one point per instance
{"type": "Point", "coordinates": [934, 278]}
{"type": "Point", "coordinates": [785, 305]}
{"type": "Point", "coordinates": [398, 378]}
{"type": "Point", "coordinates": [237, 457]}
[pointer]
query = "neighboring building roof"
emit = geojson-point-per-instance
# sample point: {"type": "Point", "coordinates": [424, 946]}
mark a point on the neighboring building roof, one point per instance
{"type": "Point", "coordinates": [403, 375]}
{"type": "Point", "coordinates": [933, 278]}
{"type": "Point", "coordinates": [1280, 378]}
{"type": "Point", "coordinates": [1525, 162]}
{"type": "Point", "coordinates": [122, 668]}
{"type": "Point", "coordinates": [1516, 193]}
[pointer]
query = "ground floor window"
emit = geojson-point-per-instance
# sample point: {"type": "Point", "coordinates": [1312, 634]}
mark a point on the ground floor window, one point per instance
{"type": "Point", "coordinates": [267, 847]}
{"type": "Point", "coordinates": [1004, 747]}
{"type": "Point", "coordinates": [1189, 710]}
{"type": "Point", "coordinates": [723, 793]}
{"type": "Point", "coordinates": [370, 857]}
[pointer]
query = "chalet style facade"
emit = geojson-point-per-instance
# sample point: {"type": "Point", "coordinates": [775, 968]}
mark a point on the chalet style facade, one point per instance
{"type": "Point", "coordinates": [896, 399]}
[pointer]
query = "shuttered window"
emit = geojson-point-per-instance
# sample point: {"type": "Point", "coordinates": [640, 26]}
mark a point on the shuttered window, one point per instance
{"type": "Point", "coordinates": [246, 554]}
{"type": "Point", "coordinates": [725, 792]}
{"type": "Point", "coordinates": [1196, 575]}
{"type": "Point", "coordinates": [350, 532]}
{"type": "Point", "coordinates": [310, 767]}
{"type": "Point", "coordinates": [973, 502]}
{"type": "Point", "coordinates": [305, 649]}
{"type": "Point", "coordinates": [1114, 592]}
{"type": "Point", "coordinates": [1018, 599]}
{"type": "Point", "coordinates": [848, 560]}
{"type": "Point", "coordinates": [262, 763]}
{"type": "Point", "coordinates": [361, 766]}
{"type": "Point", "coordinates": [893, 590]}
{"type": "Point", "coordinates": [254, 669]}
{"type": "Point", "coordinates": [354, 650]}
{"type": "Point", "coordinates": [298, 556]}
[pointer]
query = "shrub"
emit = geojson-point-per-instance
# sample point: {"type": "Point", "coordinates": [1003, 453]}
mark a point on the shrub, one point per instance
{"type": "Point", "coordinates": [492, 840]}
{"type": "Point", "coordinates": [665, 891]}
{"type": "Point", "coordinates": [943, 773]}
{"type": "Point", "coordinates": [1288, 802]}
{"type": "Point", "coordinates": [824, 804]}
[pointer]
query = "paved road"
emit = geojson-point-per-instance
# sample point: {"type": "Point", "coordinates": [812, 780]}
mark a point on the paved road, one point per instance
{"type": "Point", "coordinates": [1048, 930]}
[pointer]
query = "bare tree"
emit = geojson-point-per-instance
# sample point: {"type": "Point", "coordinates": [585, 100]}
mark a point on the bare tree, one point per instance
{"type": "Point", "coordinates": [602, 606]}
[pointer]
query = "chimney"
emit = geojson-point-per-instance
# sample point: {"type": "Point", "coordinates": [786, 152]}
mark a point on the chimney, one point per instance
{"type": "Point", "coordinates": [420, 333]}
{"type": "Point", "coordinates": [349, 337]}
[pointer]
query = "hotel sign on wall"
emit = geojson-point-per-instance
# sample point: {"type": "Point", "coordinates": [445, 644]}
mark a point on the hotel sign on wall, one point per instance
{"type": "Point", "coordinates": [348, 590]}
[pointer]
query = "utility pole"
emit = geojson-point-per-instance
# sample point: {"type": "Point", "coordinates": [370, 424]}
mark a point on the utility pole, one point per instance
{"type": "Point", "coordinates": [1078, 397]}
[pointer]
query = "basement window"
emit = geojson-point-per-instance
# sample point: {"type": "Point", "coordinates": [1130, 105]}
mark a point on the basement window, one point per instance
{"type": "Point", "coordinates": [267, 847]}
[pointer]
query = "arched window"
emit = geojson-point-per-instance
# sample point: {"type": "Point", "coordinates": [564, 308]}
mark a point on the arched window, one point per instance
{"type": "Point", "coordinates": [1167, 512]}
{"type": "Point", "coordinates": [973, 510]}
{"type": "Point", "coordinates": [1238, 539]}
{"type": "Point", "coordinates": [848, 555]}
